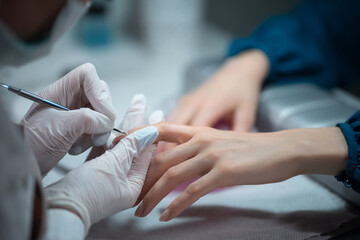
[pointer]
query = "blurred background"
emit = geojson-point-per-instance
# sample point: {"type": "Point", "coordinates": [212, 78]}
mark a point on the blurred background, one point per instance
{"type": "Point", "coordinates": [144, 46]}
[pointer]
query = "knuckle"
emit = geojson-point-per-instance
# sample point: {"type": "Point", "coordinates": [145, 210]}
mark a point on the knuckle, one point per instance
{"type": "Point", "coordinates": [88, 67]}
{"type": "Point", "coordinates": [158, 160]}
{"type": "Point", "coordinates": [225, 168]}
{"type": "Point", "coordinates": [193, 189]}
{"type": "Point", "coordinates": [162, 127]}
{"type": "Point", "coordinates": [214, 155]}
{"type": "Point", "coordinates": [86, 115]}
{"type": "Point", "coordinates": [203, 138]}
{"type": "Point", "coordinates": [172, 173]}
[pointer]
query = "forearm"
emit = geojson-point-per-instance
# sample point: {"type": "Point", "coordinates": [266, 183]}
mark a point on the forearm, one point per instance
{"type": "Point", "coordinates": [317, 150]}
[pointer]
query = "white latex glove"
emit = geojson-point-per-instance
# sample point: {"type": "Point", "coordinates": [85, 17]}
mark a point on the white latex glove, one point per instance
{"type": "Point", "coordinates": [51, 133]}
{"type": "Point", "coordinates": [111, 182]}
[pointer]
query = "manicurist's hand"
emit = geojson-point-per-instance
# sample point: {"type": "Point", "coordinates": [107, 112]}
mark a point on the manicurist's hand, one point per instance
{"type": "Point", "coordinates": [51, 133]}
{"type": "Point", "coordinates": [110, 182]}
{"type": "Point", "coordinates": [228, 158]}
{"type": "Point", "coordinates": [107, 184]}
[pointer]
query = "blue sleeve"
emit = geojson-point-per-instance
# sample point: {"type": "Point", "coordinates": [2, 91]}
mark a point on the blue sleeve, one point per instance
{"type": "Point", "coordinates": [318, 42]}
{"type": "Point", "coordinates": [351, 131]}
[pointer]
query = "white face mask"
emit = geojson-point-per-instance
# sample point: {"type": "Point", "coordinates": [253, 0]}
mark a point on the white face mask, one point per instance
{"type": "Point", "coordinates": [15, 52]}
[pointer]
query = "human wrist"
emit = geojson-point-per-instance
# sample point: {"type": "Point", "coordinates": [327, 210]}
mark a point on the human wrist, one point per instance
{"type": "Point", "coordinates": [63, 224]}
{"type": "Point", "coordinates": [318, 150]}
{"type": "Point", "coordinates": [58, 196]}
{"type": "Point", "coordinates": [252, 62]}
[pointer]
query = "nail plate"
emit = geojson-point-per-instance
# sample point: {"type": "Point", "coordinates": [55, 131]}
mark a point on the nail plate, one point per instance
{"type": "Point", "coordinates": [139, 211]}
{"type": "Point", "coordinates": [165, 216]}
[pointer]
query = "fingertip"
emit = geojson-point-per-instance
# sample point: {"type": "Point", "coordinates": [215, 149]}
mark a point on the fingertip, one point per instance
{"type": "Point", "coordinates": [165, 216]}
{"type": "Point", "coordinates": [75, 150]}
{"type": "Point", "coordinates": [139, 211]}
{"type": "Point", "coordinates": [138, 99]}
{"type": "Point", "coordinates": [100, 139]}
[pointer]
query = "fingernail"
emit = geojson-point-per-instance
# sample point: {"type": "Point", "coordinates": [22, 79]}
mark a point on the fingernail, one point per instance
{"type": "Point", "coordinates": [117, 139]}
{"type": "Point", "coordinates": [165, 216]}
{"type": "Point", "coordinates": [139, 211]}
{"type": "Point", "coordinates": [138, 99]}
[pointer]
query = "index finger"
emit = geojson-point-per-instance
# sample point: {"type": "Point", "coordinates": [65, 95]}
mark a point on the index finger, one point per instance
{"type": "Point", "coordinates": [97, 91]}
{"type": "Point", "coordinates": [169, 132]}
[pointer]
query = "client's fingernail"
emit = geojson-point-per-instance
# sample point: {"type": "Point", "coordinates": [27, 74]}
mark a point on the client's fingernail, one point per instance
{"type": "Point", "coordinates": [118, 139]}
{"type": "Point", "coordinates": [139, 211]}
{"type": "Point", "coordinates": [165, 216]}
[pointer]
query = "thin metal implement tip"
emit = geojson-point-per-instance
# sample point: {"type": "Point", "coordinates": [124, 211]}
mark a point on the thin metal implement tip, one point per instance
{"type": "Point", "coordinates": [4, 85]}
{"type": "Point", "coordinates": [119, 131]}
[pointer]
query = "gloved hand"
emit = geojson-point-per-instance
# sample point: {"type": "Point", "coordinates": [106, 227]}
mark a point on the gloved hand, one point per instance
{"type": "Point", "coordinates": [111, 182]}
{"type": "Point", "coordinates": [50, 133]}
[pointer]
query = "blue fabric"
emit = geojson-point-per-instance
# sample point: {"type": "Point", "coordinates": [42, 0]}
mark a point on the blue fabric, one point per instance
{"type": "Point", "coordinates": [351, 131]}
{"type": "Point", "coordinates": [319, 42]}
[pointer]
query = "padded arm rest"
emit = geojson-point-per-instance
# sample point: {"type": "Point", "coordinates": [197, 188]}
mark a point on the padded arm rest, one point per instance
{"type": "Point", "coordinates": [305, 106]}
{"type": "Point", "coordinates": [300, 106]}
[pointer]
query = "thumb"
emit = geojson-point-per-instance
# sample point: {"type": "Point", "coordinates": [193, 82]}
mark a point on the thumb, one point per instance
{"type": "Point", "coordinates": [135, 114]}
{"type": "Point", "coordinates": [133, 145]}
{"type": "Point", "coordinates": [139, 168]}
{"type": "Point", "coordinates": [85, 141]}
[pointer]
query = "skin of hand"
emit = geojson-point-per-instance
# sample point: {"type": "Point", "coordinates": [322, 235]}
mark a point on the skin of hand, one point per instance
{"type": "Point", "coordinates": [231, 95]}
{"type": "Point", "coordinates": [227, 158]}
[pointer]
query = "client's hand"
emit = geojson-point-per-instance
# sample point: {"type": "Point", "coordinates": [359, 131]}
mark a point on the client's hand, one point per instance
{"type": "Point", "coordinates": [231, 95]}
{"type": "Point", "coordinates": [226, 158]}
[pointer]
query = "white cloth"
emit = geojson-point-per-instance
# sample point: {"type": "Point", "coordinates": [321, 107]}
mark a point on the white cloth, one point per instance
{"type": "Point", "coordinates": [19, 177]}
{"type": "Point", "coordinates": [298, 208]}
